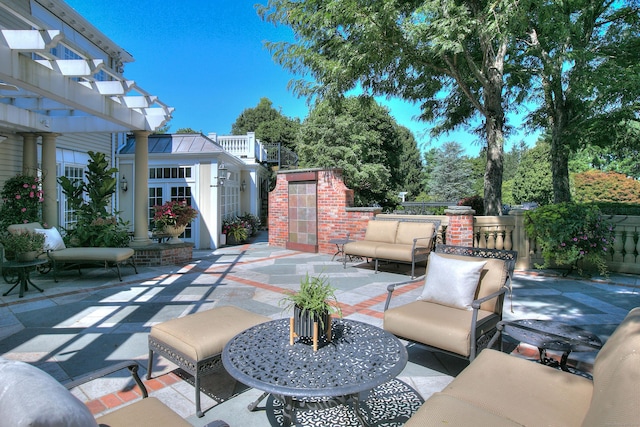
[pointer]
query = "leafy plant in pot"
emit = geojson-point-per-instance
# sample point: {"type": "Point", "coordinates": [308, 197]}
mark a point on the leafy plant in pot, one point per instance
{"type": "Point", "coordinates": [313, 304]}
{"type": "Point", "coordinates": [24, 246]}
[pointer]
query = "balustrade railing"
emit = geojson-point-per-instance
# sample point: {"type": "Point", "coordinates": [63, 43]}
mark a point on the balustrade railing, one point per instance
{"type": "Point", "coordinates": [507, 232]}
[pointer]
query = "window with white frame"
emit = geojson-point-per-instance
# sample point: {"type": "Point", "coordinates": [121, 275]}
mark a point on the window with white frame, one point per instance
{"type": "Point", "coordinates": [69, 215]}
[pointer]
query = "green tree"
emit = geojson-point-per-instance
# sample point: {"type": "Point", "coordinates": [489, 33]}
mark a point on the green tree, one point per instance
{"type": "Point", "coordinates": [620, 159]}
{"type": "Point", "coordinates": [450, 180]}
{"type": "Point", "coordinates": [269, 124]}
{"type": "Point", "coordinates": [187, 130]}
{"type": "Point", "coordinates": [360, 137]}
{"type": "Point", "coordinates": [532, 182]}
{"type": "Point", "coordinates": [582, 63]}
{"type": "Point", "coordinates": [411, 173]}
{"type": "Point", "coordinates": [416, 50]}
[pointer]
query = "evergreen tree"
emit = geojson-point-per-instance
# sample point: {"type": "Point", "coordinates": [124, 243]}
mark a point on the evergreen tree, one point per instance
{"type": "Point", "coordinates": [450, 179]}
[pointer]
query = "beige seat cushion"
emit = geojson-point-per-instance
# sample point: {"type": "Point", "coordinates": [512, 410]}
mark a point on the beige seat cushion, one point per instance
{"type": "Point", "coordinates": [442, 410]}
{"type": "Point", "coordinates": [436, 325]}
{"type": "Point", "coordinates": [361, 248]}
{"type": "Point", "coordinates": [616, 377]}
{"type": "Point", "coordinates": [149, 412]}
{"type": "Point", "coordinates": [394, 251]}
{"type": "Point", "coordinates": [92, 254]}
{"type": "Point", "coordinates": [522, 390]}
{"type": "Point", "coordinates": [202, 335]}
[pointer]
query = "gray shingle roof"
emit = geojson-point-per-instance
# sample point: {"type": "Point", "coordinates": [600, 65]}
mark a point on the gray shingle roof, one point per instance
{"type": "Point", "coordinates": [178, 143]}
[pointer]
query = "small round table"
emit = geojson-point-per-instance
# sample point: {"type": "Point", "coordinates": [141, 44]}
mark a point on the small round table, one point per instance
{"type": "Point", "coordinates": [358, 358]}
{"type": "Point", "coordinates": [23, 268]}
{"type": "Point", "coordinates": [340, 242]}
{"type": "Point", "coordinates": [551, 335]}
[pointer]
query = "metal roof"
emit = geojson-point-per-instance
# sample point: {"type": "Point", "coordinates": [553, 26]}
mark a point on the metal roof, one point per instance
{"type": "Point", "coordinates": [177, 143]}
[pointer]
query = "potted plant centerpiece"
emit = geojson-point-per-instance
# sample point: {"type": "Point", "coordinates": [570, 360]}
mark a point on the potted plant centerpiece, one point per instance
{"type": "Point", "coordinates": [22, 246]}
{"type": "Point", "coordinates": [172, 218]}
{"type": "Point", "coordinates": [313, 306]}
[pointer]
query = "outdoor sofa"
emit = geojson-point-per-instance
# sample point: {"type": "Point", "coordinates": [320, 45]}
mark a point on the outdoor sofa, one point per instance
{"type": "Point", "coordinates": [498, 389]}
{"type": "Point", "coordinates": [395, 240]}
{"type": "Point", "coordinates": [60, 255]}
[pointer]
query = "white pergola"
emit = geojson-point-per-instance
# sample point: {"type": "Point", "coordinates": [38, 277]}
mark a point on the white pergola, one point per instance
{"type": "Point", "coordinates": [46, 92]}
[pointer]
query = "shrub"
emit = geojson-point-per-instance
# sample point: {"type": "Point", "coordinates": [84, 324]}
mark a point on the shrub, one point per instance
{"type": "Point", "coordinates": [568, 233]}
{"type": "Point", "coordinates": [22, 201]}
{"type": "Point", "coordinates": [476, 203]}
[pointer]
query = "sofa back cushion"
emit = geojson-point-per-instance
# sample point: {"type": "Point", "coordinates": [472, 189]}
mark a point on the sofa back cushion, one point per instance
{"type": "Point", "coordinates": [616, 377]}
{"type": "Point", "coordinates": [381, 231]}
{"type": "Point", "coordinates": [20, 228]}
{"type": "Point", "coordinates": [492, 277]}
{"type": "Point", "coordinates": [407, 231]}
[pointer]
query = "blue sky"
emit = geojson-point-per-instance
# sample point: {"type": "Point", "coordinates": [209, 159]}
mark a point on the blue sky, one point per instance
{"type": "Point", "coordinates": [206, 59]}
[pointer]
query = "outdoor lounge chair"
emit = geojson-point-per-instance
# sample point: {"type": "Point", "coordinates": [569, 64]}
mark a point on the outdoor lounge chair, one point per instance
{"type": "Point", "coordinates": [30, 396]}
{"type": "Point", "coordinates": [461, 302]}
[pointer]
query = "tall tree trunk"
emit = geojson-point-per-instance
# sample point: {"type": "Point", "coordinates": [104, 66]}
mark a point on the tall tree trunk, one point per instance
{"type": "Point", "coordinates": [494, 127]}
{"type": "Point", "coordinates": [560, 157]}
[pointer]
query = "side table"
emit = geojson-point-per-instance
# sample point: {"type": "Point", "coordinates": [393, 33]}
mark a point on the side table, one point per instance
{"type": "Point", "coordinates": [340, 242]}
{"type": "Point", "coordinates": [24, 270]}
{"type": "Point", "coordinates": [551, 335]}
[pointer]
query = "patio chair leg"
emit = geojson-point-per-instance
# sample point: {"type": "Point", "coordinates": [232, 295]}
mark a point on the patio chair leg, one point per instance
{"type": "Point", "coordinates": [196, 381]}
{"type": "Point", "coordinates": [150, 364]}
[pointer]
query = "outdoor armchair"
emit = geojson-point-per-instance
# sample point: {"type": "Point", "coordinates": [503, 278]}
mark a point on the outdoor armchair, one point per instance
{"type": "Point", "coordinates": [461, 301]}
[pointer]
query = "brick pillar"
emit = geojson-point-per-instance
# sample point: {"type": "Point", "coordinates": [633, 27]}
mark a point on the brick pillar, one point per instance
{"type": "Point", "coordinates": [460, 228]}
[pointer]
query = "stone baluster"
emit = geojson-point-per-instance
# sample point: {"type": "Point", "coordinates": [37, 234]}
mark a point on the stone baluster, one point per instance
{"type": "Point", "coordinates": [629, 246]}
{"type": "Point", "coordinates": [508, 240]}
{"type": "Point", "coordinates": [618, 244]}
{"type": "Point", "coordinates": [500, 239]}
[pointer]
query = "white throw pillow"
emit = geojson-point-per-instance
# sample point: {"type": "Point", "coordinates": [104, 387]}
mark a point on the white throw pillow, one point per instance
{"type": "Point", "coordinates": [451, 282]}
{"type": "Point", "coordinates": [52, 239]}
{"type": "Point", "coordinates": [31, 397]}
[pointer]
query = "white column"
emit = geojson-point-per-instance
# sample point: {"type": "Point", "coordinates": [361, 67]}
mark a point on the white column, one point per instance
{"type": "Point", "coordinates": [49, 180]}
{"type": "Point", "coordinates": [29, 153]}
{"type": "Point", "coordinates": [141, 190]}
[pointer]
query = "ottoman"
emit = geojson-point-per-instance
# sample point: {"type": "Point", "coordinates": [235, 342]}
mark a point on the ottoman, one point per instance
{"type": "Point", "coordinates": [195, 342]}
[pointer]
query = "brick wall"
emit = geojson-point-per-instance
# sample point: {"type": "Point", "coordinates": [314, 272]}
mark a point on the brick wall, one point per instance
{"type": "Point", "coordinates": [460, 228]}
{"type": "Point", "coordinates": [336, 216]}
{"type": "Point", "coordinates": [163, 254]}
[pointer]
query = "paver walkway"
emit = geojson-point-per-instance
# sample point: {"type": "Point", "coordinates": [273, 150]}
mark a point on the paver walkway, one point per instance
{"type": "Point", "coordinates": [90, 321]}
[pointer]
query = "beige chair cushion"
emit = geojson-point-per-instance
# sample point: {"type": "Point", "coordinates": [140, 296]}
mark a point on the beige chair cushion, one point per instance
{"type": "Point", "coordinates": [442, 410]}
{"type": "Point", "coordinates": [381, 231]}
{"type": "Point", "coordinates": [149, 412]}
{"type": "Point", "coordinates": [407, 231]}
{"type": "Point", "coordinates": [451, 282]}
{"type": "Point", "coordinates": [202, 335]}
{"type": "Point", "coordinates": [522, 390]}
{"type": "Point", "coordinates": [394, 251]}
{"type": "Point", "coordinates": [31, 226]}
{"type": "Point", "coordinates": [616, 377]}
{"type": "Point", "coordinates": [436, 325]}
{"type": "Point", "coordinates": [92, 254]}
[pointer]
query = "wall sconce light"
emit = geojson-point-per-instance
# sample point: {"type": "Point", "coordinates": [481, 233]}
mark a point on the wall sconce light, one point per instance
{"type": "Point", "coordinates": [223, 175]}
{"type": "Point", "coordinates": [243, 186]}
{"type": "Point", "coordinates": [3, 137]}
{"type": "Point", "coordinates": [124, 185]}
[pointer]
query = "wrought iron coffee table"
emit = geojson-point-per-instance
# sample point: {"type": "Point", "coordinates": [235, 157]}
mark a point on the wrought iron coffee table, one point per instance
{"type": "Point", "coordinates": [22, 278]}
{"type": "Point", "coordinates": [358, 358]}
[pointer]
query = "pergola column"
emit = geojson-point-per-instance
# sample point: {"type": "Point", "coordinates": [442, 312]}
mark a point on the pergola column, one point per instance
{"type": "Point", "coordinates": [141, 190]}
{"type": "Point", "coordinates": [29, 153]}
{"type": "Point", "coordinates": [49, 179]}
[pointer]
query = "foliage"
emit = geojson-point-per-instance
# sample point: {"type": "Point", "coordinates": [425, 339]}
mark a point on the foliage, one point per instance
{"type": "Point", "coordinates": [22, 201]}
{"type": "Point", "coordinates": [446, 55]}
{"type": "Point", "coordinates": [568, 233]}
{"type": "Point", "coordinates": [610, 208]}
{"type": "Point", "coordinates": [238, 227]}
{"type": "Point", "coordinates": [96, 226]}
{"type": "Point", "coordinates": [475, 202]}
{"type": "Point", "coordinates": [621, 158]}
{"type": "Point", "coordinates": [252, 221]}
{"type": "Point", "coordinates": [411, 173]}
{"type": "Point", "coordinates": [360, 137]}
{"type": "Point", "coordinates": [579, 63]}
{"type": "Point", "coordinates": [22, 241]}
{"type": "Point", "coordinates": [269, 124]}
{"type": "Point", "coordinates": [175, 213]}
{"type": "Point", "coordinates": [188, 130]}
{"type": "Point", "coordinates": [597, 186]}
{"type": "Point", "coordinates": [450, 179]}
{"type": "Point", "coordinates": [532, 182]}
{"type": "Point", "coordinates": [316, 295]}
